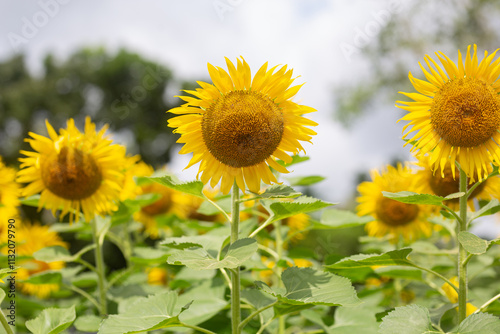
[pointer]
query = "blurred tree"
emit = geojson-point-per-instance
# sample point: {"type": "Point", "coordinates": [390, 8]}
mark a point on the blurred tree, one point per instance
{"type": "Point", "coordinates": [408, 31]}
{"type": "Point", "coordinates": [124, 90]}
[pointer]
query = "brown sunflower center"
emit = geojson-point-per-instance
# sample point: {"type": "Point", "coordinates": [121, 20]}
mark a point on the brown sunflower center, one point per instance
{"type": "Point", "coordinates": [447, 185]}
{"type": "Point", "coordinates": [242, 128]}
{"type": "Point", "coordinates": [71, 174]}
{"type": "Point", "coordinates": [465, 112]}
{"type": "Point", "coordinates": [161, 205]}
{"type": "Point", "coordinates": [394, 213]}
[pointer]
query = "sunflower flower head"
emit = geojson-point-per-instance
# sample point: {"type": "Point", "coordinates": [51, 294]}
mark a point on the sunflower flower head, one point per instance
{"type": "Point", "coordinates": [391, 217]}
{"type": "Point", "coordinates": [9, 195]}
{"type": "Point", "coordinates": [73, 171]}
{"type": "Point", "coordinates": [456, 113]}
{"type": "Point", "coordinates": [445, 183]}
{"type": "Point", "coordinates": [29, 239]}
{"type": "Point", "coordinates": [237, 126]}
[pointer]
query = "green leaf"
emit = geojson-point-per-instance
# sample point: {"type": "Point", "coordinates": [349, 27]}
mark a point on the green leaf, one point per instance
{"type": "Point", "coordinates": [4, 272]}
{"type": "Point", "coordinates": [360, 321]}
{"type": "Point", "coordinates": [88, 323]}
{"type": "Point", "coordinates": [53, 253]}
{"type": "Point", "coordinates": [194, 188]}
{"type": "Point", "coordinates": [472, 243]}
{"type": "Point", "coordinates": [391, 258]}
{"type": "Point", "coordinates": [305, 180]}
{"type": "Point", "coordinates": [207, 241]}
{"type": "Point", "coordinates": [334, 218]}
{"type": "Point", "coordinates": [492, 207]}
{"type": "Point", "coordinates": [149, 255]}
{"type": "Point", "coordinates": [46, 277]}
{"type": "Point", "coordinates": [411, 319]}
{"type": "Point", "coordinates": [279, 191]}
{"type": "Point", "coordinates": [304, 204]}
{"type": "Point", "coordinates": [309, 286]}
{"type": "Point", "coordinates": [52, 320]}
{"type": "Point", "coordinates": [414, 198]}
{"type": "Point", "coordinates": [147, 314]}
{"type": "Point", "coordinates": [295, 160]}
{"type": "Point", "coordinates": [200, 259]}
{"type": "Point", "coordinates": [208, 299]}
{"type": "Point", "coordinates": [479, 323]}
{"type": "Point", "coordinates": [208, 209]}
{"type": "Point", "coordinates": [31, 201]}
{"type": "Point", "coordinates": [400, 272]}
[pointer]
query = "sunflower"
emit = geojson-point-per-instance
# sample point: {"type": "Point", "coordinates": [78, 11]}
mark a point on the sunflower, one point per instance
{"type": "Point", "coordinates": [237, 127]}
{"type": "Point", "coordinates": [297, 226]}
{"type": "Point", "coordinates": [73, 171]}
{"type": "Point", "coordinates": [157, 276]}
{"type": "Point", "coordinates": [456, 113]}
{"type": "Point", "coordinates": [391, 217]}
{"type": "Point", "coordinates": [452, 296]}
{"type": "Point", "coordinates": [429, 182]}
{"type": "Point", "coordinates": [9, 195]}
{"type": "Point", "coordinates": [29, 239]}
{"type": "Point", "coordinates": [170, 201]}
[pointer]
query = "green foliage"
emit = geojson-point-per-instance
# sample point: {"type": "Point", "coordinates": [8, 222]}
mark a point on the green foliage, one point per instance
{"type": "Point", "coordinates": [334, 218]}
{"type": "Point", "coordinates": [146, 314]}
{"type": "Point", "coordinates": [52, 321]}
{"type": "Point", "coordinates": [472, 243]}
{"type": "Point", "coordinates": [194, 188]}
{"type": "Point", "coordinates": [480, 323]}
{"type": "Point", "coordinates": [391, 258]}
{"type": "Point", "coordinates": [423, 199]}
{"type": "Point", "coordinates": [309, 286]}
{"type": "Point", "coordinates": [411, 319]}
{"type": "Point", "coordinates": [199, 258]}
{"type": "Point", "coordinates": [280, 210]}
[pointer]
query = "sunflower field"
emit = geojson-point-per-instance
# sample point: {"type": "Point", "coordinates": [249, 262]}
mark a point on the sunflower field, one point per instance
{"type": "Point", "coordinates": [235, 250]}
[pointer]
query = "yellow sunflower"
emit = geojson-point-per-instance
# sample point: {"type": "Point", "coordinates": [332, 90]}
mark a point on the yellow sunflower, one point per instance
{"type": "Point", "coordinates": [429, 182]}
{"type": "Point", "coordinates": [456, 113]}
{"type": "Point", "coordinates": [392, 217]}
{"type": "Point", "coordinates": [297, 224]}
{"type": "Point", "coordinates": [9, 195]}
{"type": "Point", "coordinates": [452, 295]}
{"type": "Point", "coordinates": [74, 171]}
{"type": "Point", "coordinates": [237, 127]}
{"type": "Point", "coordinates": [157, 276]}
{"type": "Point", "coordinates": [29, 239]}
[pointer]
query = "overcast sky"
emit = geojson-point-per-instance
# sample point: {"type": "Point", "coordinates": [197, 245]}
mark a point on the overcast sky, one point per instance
{"type": "Point", "coordinates": [316, 38]}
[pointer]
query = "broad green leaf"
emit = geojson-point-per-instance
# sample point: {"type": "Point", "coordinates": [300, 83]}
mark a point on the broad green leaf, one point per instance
{"type": "Point", "coordinates": [149, 255]}
{"type": "Point", "coordinates": [411, 319]}
{"type": "Point", "coordinates": [88, 323]}
{"type": "Point", "coordinates": [194, 188]}
{"type": "Point", "coordinates": [295, 160]}
{"type": "Point", "coordinates": [200, 259]}
{"type": "Point", "coordinates": [207, 241]}
{"type": "Point", "coordinates": [31, 201]}
{"type": "Point", "coordinates": [334, 218]}
{"type": "Point", "coordinates": [347, 321]}
{"type": "Point", "coordinates": [304, 180]}
{"type": "Point", "coordinates": [492, 207]}
{"type": "Point", "coordinates": [283, 309]}
{"type": "Point", "coordinates": [400, 272]}
{"type": "Point", "coordinates": [257, 298]}
{"type": "Point", "coordinates": [46, 277]}
{"type": "Point", "coordinates": [391, 258]}
{"type": "Point", "coordinates": [147, 314]}
{"type": "Point", "coordinates": [279, 191]}
{"type": "Point", "coordinates": [4, 272]}
{"type": "Point", "coordinates": [414, 198]}
{"type": "Point", "coordinates": [304, 204]}
{"type": "Point", "coordinates": [52, 320]}
{"type": "Point", "coordinates": [309, 286]}
{"type": "Point", "coordinates": [479, 323]}
{"type": "Point", "coordinates": [208, 299]}
{"type": "Point", "coordinates": [53, 253]}
{"type": "Point", "coordinates": [454, 195]}
{"type": "Point", "coordinates": [472, 243]}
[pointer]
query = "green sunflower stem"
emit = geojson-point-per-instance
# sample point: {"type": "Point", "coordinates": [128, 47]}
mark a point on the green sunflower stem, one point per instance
{"type": "Point", "coordinates": [462, 253]}
{"type": "Point", "coordinates": [5, 323]}
{"type": "Point", "coordinates": [235, 274]}
{"type": "Point", "coordinates": [279, 270]}
{"type": "Point", "coordinates": [101, 274]}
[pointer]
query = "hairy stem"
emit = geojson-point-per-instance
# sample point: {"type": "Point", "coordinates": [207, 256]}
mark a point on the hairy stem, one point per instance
{"type": "Point", "coordinates": [101, 275]}
{"type": "Point", "coordinates": [235, 274]}
{"type": "Point", "coordinates": [462, 253]}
